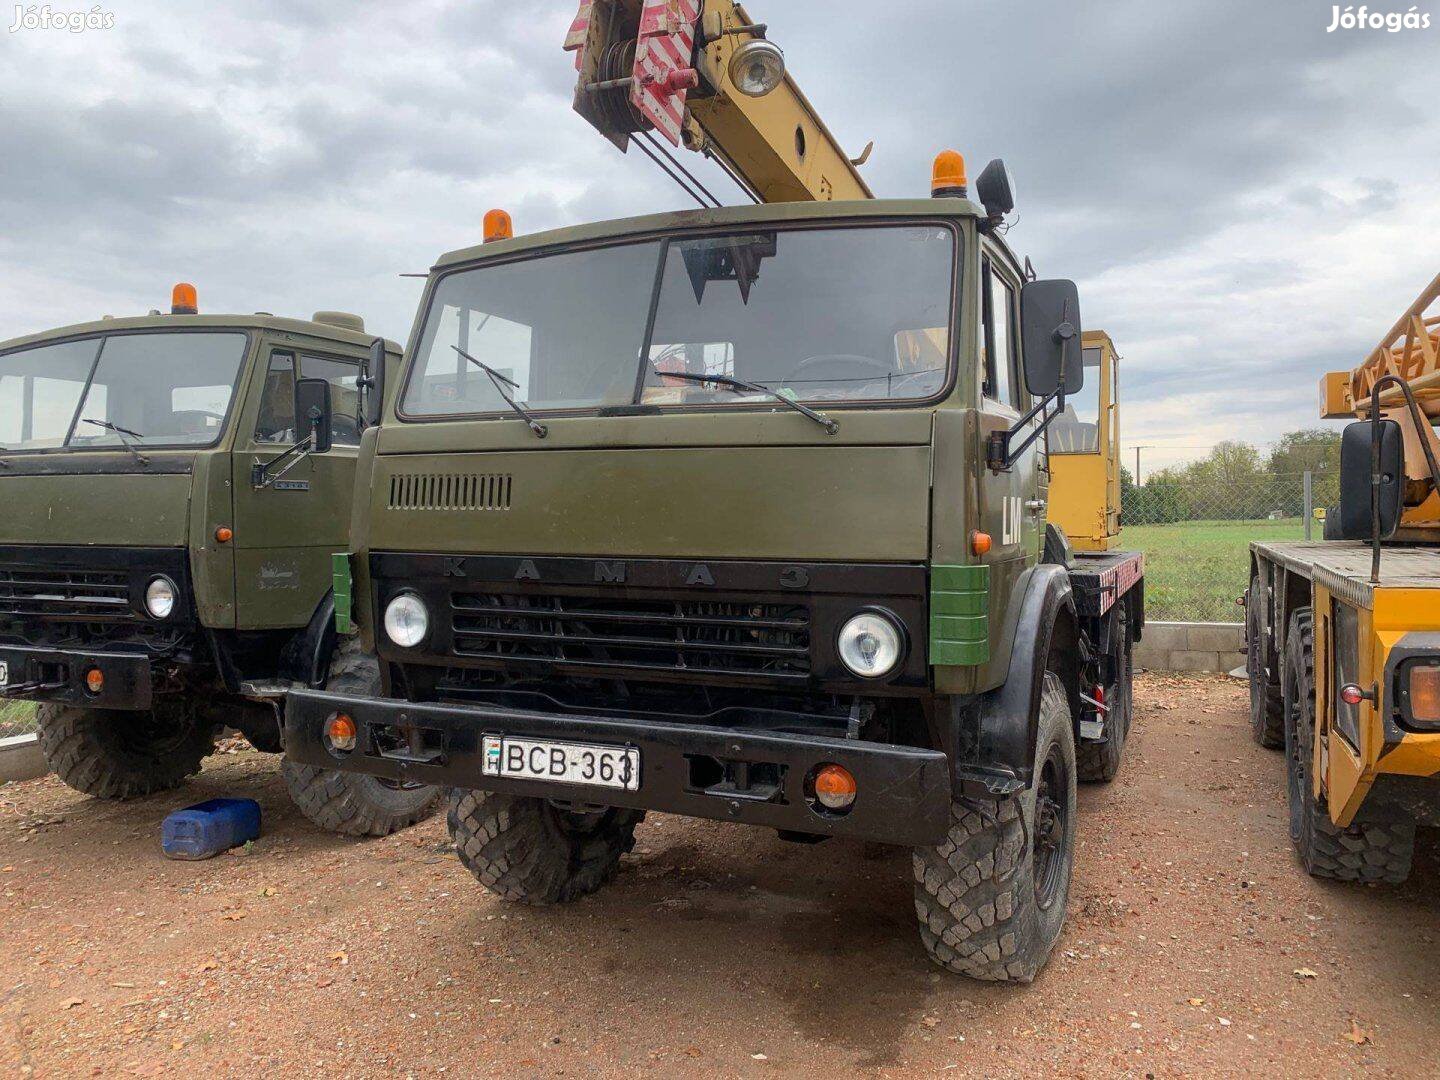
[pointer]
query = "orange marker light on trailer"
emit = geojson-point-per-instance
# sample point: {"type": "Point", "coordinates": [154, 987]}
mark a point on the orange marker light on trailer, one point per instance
{"type": "Point", "coordinates": [183, 300]}
{"type": "Point", "coordinates": [948, 177]}
{"type": "Point", "coordinates": [980, 543]}
{"type": "Point", "coordinates": [498, 226]}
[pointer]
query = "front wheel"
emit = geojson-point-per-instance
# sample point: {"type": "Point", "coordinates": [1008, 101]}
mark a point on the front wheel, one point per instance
{"type": "Point", "coordinates": [353, 803]}
{"type": "Point", "coordinates": [1363, 851]}
{"type": "Point", "coordinates": [991, 899]}
{"type": "Point", "coordinates": [123, 754]}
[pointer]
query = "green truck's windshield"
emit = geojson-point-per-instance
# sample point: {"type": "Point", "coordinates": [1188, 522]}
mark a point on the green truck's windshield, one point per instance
{"type": "Point", "coordinates": [823, 315]}
{"type": "Point", "coordinates": [170, 388]}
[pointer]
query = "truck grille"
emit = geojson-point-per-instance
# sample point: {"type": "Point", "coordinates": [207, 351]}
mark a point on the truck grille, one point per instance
{"type": "Point", "coordinates": [653, 635]}
{"type": "Point", "coordinates": [93, 595]}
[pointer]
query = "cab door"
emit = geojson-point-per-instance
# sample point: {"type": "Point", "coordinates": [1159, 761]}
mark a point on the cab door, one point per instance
{"type": "Point", "coordinates": [286, 532]}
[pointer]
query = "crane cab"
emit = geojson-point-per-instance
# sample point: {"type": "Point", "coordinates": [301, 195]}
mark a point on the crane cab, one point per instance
{"type": "Point", "coordinates": [1084, 448]}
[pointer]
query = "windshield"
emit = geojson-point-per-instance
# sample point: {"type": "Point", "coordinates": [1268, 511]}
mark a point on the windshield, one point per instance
{"type": "Point", "coordinates": [168, 388]}
{"type": "Point", "coordinates": [825, 315]}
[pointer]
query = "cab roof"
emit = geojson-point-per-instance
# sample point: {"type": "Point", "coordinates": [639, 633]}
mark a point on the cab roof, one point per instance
{"type": "Point", "coordinates": [277, 323]}
{"type": "Point", "coordinates": [763, 214]}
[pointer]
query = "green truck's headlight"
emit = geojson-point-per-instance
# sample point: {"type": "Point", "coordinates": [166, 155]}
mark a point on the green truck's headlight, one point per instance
{"type": "Point", "coordinates": [870, 645]}
{"type": "Point", "coordinates": [160, 597]}
{"type": "Point", "coordinates": [406, 620]}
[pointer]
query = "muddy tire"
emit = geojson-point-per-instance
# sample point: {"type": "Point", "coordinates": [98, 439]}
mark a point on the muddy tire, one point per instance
{"type": "Point", "coordinates": [1100, 762]}
{"type": "Point", "coordinates": [1267, 705]}
{"type": "Point", "coordinates": [991, 899]}
{"type": "Point", "coordinates": [1365, 852]}
{"type": "Point", "coordinates": [352, 803]}
{"type": "Point", "coordinates": [531, 851]}
{"type": "Point", "coordinates": [121, 753]}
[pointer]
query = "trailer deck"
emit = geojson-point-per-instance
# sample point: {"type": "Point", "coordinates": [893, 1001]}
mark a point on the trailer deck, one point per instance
{"type": "Point", "coordinates": [1343, 567]}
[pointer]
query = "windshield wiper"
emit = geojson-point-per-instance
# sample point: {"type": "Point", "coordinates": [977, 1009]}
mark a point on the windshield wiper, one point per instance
{"type": "Point", "coordinates": [120, 433]}
{"type": "Point", "coordinates": [538, 428]}
{"type": "Point", "coordinates": [739, 385]}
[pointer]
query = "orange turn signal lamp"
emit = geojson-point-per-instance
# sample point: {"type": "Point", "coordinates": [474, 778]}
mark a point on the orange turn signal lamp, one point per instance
{"type": "Point", "coordinates": [224, 534]}
{"type": "Point", "coordinates": [498, 226]}
{"type": "Point", "coordinates": [183, 300]}
{"type": "Point", "coordinates": [1423, 690]}
{"type": "Point", "coordinates": [980, 543]}
{"type": "Point", "coordinates": [340, 732]}
{"type": "Point", "coordinates": [948, 179]}
{"type": "Point", "coordinates": [94, 680]}
{"type": "Point", "coordinates": [835, 787]}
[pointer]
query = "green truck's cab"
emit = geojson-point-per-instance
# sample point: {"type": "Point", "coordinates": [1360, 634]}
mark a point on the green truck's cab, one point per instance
{"type": "Point", "coordinates": [153, 587]}
{"type": "Point", "coordinates": [692, 513]}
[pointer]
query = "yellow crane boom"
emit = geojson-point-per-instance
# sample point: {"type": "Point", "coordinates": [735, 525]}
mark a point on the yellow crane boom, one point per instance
{"type": "Point", "coordinates": [669, 68]}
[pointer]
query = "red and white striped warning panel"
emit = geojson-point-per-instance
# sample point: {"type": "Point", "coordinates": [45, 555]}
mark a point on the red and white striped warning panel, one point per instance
{"type": "Point", "coordinates": [663, 71]}
{"type": "Point", "coordinates": [579, 30]}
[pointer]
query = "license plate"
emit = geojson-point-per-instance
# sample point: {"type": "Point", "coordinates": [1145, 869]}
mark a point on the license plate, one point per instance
{"type": "Point", "coordinates": [562, 762]}
{"type": "Point", "coordinates": [4, 673]}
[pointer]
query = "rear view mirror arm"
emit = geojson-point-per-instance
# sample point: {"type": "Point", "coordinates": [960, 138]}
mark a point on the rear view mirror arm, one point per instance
{"type": "Point", "coordinates": [264, 474]}
{"type": "Point", "coordinates": [1000, 455]}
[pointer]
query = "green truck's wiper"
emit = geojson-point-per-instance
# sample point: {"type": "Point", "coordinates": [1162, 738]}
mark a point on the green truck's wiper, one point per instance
{"type": "Point", "coordinates": [120, 433]}
{"type": "Point", "coordinates": [538, 428]}
{"type": "Point", "coordinates": [739, 385]}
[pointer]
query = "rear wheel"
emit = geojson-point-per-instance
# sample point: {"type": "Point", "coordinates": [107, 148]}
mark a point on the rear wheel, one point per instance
{"type": "Point", "coordinates": [1267, 707]}
{"type": "Point", "coordinates": [1366, 852]}
{"type": "Point", "coordinates": [353, 803]}
{"type": "Point", "coordinates": [991, 899]}
{"type": "Point", "coordinates": [534, 851]}
{"type": "Point", "coordinates": [125, 754]}
{"type": "Point", "coordinates": [1100, 761]}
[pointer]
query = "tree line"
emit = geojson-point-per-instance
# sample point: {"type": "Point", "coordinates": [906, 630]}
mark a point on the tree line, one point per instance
{"type": "Point", "coordinates": [1235, 482]}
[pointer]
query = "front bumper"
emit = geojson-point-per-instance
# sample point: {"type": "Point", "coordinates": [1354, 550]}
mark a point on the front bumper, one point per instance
{"type": "Point", "coordinates": [58, 676]}
{"type": "Point", "coordinates": [707, 772]}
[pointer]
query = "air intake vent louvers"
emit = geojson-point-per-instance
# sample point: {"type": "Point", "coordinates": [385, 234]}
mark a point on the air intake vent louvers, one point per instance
{"type": "Point", "coordinates": [450, 491]}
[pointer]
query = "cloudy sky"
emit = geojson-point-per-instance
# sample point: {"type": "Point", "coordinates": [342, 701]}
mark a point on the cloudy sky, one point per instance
{"type": "Point", "coordinates": [1245, 199]}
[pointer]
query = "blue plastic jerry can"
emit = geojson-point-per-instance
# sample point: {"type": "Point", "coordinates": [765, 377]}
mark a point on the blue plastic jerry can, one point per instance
{"type": "Point", "coordinates": [208, 828]}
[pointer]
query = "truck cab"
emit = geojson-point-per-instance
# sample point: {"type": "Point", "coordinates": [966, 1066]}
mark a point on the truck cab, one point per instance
{"type": "Point", "coordinates": [739, 514]}
{"type": "Point", "coordinates": [157, 581]}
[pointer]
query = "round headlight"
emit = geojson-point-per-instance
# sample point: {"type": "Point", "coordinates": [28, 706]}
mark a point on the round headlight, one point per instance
{"type": "Point", "coordinates": [870, 645]}
{"type": "Point", "coordinates": [160, 597]}
{"type": "Point", "coordinates": [406, 621]}
{"type": "Point", "coordinates": [757, 67]}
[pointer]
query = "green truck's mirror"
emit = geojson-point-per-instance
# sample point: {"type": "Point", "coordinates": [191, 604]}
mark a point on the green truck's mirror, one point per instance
{"type": "Point", "coordinates": [372, 384]}
{"type": "Point", "coordinates": [1050, 337]}
{"type": "Point", "coordinates": [1357, 467]}
{"type": "Point", "coordinates": [312, 411]}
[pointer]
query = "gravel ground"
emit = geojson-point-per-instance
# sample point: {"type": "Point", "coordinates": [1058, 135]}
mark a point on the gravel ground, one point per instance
{"type": "Point", "coordinates": [1195, 946]}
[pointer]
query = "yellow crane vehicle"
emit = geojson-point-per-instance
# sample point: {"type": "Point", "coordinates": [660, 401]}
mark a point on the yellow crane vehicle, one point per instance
{"type": "Point", "coordinates": [1084, 444]}
{"type": "Point", "coordinates": [739, 514]}
{"type": "Point", "coordinates": [1343, 633]}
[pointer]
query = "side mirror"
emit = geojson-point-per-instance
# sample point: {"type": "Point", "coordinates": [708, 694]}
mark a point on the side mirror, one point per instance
{"type": "Point", "coordinates": [1356, 449]}
{"type": "Point", "coordinates": [312, 411]}
{"type": "Point", "coordinates": [372, 384]}
{"type": "Point", "coordinates": [1050, 337]}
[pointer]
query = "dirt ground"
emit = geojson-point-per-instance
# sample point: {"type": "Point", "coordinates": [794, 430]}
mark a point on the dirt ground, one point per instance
{"type": "Point", "coordinates": [1195, 946]}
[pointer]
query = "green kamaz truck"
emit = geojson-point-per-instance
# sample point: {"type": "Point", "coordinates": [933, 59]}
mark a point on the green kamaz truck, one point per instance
{"type": "Point", "coordinates": [739, 514]}
{"type": "Point", "coordinates": [172, 488]}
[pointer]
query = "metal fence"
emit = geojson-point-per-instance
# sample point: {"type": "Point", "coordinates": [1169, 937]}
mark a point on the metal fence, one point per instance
{"type": "Point", "coordinates": [1196, 535]}
{"type": "Point", "coordinates": [16, 718]}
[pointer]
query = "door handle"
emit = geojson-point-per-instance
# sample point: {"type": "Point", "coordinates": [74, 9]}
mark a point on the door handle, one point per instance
{"type": "Point", "coordinates": [1035, 506]}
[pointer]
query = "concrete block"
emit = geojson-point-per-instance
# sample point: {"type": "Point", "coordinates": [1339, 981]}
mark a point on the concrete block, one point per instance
{"type": "Point", "coordinates": [1193, 660]}
{"type": "Point", "coordinates": [21, 759]}
{"type": "Point", "coordinates": [1216, 637]}
{"type": "Point", "coordinates": [1165, 636]}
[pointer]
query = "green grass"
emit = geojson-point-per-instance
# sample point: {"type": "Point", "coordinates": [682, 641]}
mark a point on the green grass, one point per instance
{"type": "Point", "coordinates": [16, 718]}
{"type": "Point", "coordinates": [1196, 570]}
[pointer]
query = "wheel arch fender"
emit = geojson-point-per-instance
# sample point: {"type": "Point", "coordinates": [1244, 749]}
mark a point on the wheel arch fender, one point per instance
{"type": "Point", "coordinates": [1046, 637]}
{"type": "Point", "coordinates": [306, 659]}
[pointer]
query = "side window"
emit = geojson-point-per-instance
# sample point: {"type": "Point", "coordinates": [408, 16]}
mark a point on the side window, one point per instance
{"type": "Point", "coordinates": [277, 402]}
{"type": "Point", "coordinates": [998, 346]}
{"type": "Point", "coordinates": [344, 380]}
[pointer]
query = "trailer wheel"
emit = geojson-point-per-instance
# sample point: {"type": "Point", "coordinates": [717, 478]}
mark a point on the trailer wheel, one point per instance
{"type": "Point", "coordinates": [1365, 852]}
{"type": "Point", "coordinates": [1099, 762]}
{"type": "Point", "coordinates": [125, 754]}
{"type": "Point", "coordinates": [533, 851]}
{"type": "Point", "coordinates": [991, 899]}
{"type": "Point", "coordinates": [1267, 707]}
{"type": "Point", "coordinates": [352, 803]}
